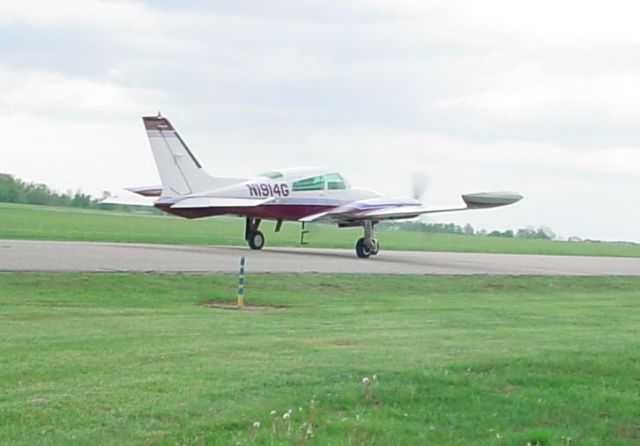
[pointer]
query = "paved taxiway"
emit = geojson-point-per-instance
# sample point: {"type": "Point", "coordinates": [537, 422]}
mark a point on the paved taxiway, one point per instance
{"type": "Point", "coordinates": [22, 255]}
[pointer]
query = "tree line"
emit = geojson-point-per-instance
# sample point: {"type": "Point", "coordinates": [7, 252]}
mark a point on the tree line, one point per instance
{"type": "Point", "coordinates": [529, 232]}
{"type": "Point", "coordinates": [14, 190]}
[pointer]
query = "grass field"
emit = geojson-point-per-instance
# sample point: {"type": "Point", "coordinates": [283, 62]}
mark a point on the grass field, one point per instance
{"type": "Point", "coordinates": [134, 359]}
{"type": "Point", "coordinates": [48, 223]}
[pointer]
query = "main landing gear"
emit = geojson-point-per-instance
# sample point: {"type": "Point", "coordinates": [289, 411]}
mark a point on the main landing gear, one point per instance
{"type": "Point", "coordinates": [367, 246]}
{"type": "Point", "coordinates": [254, 237]}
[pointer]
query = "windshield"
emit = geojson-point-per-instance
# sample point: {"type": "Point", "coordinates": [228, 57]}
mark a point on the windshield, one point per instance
{"type": "Point", "coordinates": [335, 181]}
{"type": "Point", "coordinates": [313, 183]}
{"type": "Point", "coordinates": [271, 174]}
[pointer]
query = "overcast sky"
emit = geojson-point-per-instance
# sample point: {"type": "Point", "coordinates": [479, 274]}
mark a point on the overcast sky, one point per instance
{"type": "Point", "coordinates": [539, 97]}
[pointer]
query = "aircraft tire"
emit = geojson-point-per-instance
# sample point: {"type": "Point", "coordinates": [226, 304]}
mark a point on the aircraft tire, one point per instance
{"type": "Point", "coordinates": [256, 240]}
{"type": "Point", "coordinates": [362, 250]}
{"type": "Point", "coordinates": [376, 248]}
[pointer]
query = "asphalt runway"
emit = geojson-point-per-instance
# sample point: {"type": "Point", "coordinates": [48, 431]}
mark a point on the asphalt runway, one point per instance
{"type": "Point", "coordinates": [23, 255]}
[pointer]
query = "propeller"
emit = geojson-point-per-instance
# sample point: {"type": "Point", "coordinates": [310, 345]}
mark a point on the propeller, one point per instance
{"type": "Point", "coordinates": [419, 184]}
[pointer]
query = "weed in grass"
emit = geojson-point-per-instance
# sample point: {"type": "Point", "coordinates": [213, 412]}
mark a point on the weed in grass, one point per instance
{"type": "Point", "coordinates": [367, 389]}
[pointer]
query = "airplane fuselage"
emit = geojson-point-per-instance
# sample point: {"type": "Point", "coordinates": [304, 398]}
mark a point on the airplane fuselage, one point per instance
{"type": "Point", "coordinates": [284, 199]}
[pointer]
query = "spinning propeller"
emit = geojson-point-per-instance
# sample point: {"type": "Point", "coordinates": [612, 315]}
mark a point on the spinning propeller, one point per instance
{"type": "Point", "coordinates": [419, 185]}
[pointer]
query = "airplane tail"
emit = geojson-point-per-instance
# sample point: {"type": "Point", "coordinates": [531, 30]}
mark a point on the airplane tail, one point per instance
{"type": "Point", "coordinates": [180, 171]}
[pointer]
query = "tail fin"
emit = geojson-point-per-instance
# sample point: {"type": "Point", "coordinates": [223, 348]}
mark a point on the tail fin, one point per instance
{"type": "Point", "coordinates": [180, 171]}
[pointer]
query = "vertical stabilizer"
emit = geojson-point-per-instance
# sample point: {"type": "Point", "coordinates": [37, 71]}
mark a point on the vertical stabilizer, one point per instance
{"type": "Point", "coordinates": [180, 171]}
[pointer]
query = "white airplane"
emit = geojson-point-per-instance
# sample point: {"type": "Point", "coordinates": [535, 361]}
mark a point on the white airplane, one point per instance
{"type": "Point", "coordinates": [301, 194]}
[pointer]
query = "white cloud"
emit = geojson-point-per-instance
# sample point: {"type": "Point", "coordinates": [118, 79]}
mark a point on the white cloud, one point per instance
{"type": "Point", "coordinates": [541, 23]}
{"type": "Point", "coordinates": [115, 14]}
{"type": "Point", "coordinates": [40, 91]}
{"type": "Point", "coordinates": [92, 155]}
{"type": "Point", "coordinates": [530, 91]}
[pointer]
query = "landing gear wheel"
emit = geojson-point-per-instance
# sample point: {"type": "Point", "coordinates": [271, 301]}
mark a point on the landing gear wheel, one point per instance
{"type": "Point", "coordinates": [376, 248]}
{"type": "Point", "coordinates": [362, 250]}
{"type": "Point", "coordinates": [256, 240]}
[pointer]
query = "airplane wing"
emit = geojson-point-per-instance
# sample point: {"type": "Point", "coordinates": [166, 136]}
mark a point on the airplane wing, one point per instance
{"type": "Point", "coordinates": [135, 196]}
{"type": "Point", "coordinates": [400, 212]}
{"type": "Point", "coordinates": [359, 211]}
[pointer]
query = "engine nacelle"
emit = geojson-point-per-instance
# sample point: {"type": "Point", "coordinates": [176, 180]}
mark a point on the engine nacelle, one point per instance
{"type": "Point", "coordinates": [491, 199]}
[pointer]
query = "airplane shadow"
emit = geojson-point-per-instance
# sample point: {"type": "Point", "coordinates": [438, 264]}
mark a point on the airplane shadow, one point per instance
{"type": "Point", "coordinates": [383, 257]}
{"type": "Point", "coordinates": [389, 257]}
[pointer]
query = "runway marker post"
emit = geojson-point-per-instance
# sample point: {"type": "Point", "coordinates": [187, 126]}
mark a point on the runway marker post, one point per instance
{"type": "Point", "coordinates": [240, 299]}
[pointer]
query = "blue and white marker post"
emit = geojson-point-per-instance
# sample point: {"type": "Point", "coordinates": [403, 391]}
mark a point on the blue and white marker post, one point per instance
{"type": "Point", "coordinates": [240, 300]}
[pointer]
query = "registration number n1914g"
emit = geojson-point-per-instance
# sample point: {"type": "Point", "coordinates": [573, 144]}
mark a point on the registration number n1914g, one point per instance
{"type": "Point", "coordinates": [268, 190]}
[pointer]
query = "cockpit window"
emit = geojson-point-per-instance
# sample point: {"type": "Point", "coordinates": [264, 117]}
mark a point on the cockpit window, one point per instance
{"type": "Point", "coordinates": [335, 182]}
{"type": "Point", "coordinates": [313, 183]}
{"type": "Point", "coordinates": [271, 174]}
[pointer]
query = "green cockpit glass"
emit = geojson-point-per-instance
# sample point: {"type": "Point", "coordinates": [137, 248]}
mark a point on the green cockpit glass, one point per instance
{"type": "Point", "coordinates": [307, 184]}
{"type": "Point", "coordinates": [271, 174]}
{"type": "Point", "coordinates": [335, 182]}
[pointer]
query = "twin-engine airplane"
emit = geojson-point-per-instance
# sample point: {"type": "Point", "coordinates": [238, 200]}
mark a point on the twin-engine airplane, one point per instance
{"type": "Point", "coordinates": [300, 194]}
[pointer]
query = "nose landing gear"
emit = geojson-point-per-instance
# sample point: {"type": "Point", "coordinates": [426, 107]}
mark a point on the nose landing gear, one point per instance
{"type": "Point", "coordinates": [367, 246]}
{"type": "Point", "coordinates": [363, 251]}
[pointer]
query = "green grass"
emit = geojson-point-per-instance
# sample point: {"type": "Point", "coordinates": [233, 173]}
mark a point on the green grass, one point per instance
{"type": "Point", "coordinates": [47, 223]}
{"type": "Point", "coordinates": [134, 359]}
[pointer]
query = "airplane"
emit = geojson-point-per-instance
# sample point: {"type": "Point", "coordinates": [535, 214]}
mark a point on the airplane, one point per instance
{"type": "Point", "coordinates": [302, 195]}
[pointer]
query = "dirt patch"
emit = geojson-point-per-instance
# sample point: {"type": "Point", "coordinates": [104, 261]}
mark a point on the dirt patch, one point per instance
{"type": "Point", "coordinates": [628, 430]}
{"type": "Point", "coordinates": [511, 389]}
{"type": "Point", "coordinates": [226, 305]}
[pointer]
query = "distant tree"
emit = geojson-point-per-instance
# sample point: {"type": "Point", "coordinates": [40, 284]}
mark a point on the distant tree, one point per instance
{"type": "Point", "coordinates": [81, 200]}
{"type": "Point", "coordinates": [528, 232]}
{"type": "Point", "coordinates": [468, 229]}
{"type": "Point", "coordinates": [507, 234]}
{"type": "Point", "coordinates": [546, 232]}
{"type": "Point", "coordinates": [542, 233]}
{"type": "Point", "coordinates": [38, 194]}
{"type": "Point", "coordinates": [8, 188]}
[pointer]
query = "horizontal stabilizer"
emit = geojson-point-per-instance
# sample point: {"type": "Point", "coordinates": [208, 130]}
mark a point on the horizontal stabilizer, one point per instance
{"type": "Point", "coordinates": [129, 200]}
{"type": "Point", "coordinates": [210, 202]}
{"type": "Point", "coordinates": [146, 191]}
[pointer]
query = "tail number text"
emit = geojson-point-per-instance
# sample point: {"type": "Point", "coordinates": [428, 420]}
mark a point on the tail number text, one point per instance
{"type": "Point", "coordinates": [268, 190]}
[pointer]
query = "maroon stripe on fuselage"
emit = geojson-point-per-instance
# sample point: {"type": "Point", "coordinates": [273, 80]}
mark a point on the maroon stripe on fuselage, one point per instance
{"type": "Point", "coordinates": [273, 211]}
